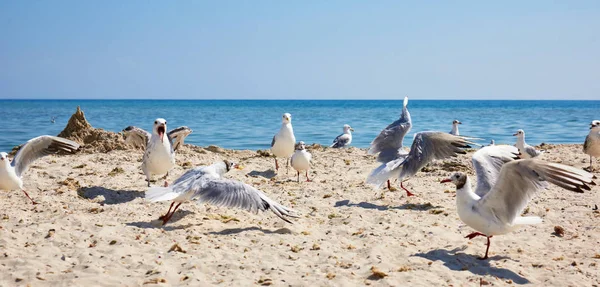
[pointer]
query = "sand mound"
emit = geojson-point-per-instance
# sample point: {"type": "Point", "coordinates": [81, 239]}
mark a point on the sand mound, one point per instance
{"type": "Point", "coordinates": [93, 140]}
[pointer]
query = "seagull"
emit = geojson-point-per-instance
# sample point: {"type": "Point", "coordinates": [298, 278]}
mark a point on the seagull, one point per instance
{"type": "Point", "coordinates": [159, 156]}
{"type": "Point", "coordinates": [301, 160]}
{"type": "Point", "coordinates": [525, 150]}
{"type": "Point", "coordinates": [344, 139]}
{"type": "Point", "coordinates": [492, 142]}
{"type": "Point", "coordinates": [206, 184]}
{"type": "Point", "coordinates": [388, 144]}
{"type": "Point", "coordinates": [284, 141]}
{"type": "Point", "coordinates": [505, 184]}
{"type": "Point", "coordinates": [591, 146]}
{"type": "Point", "coordinates": [11, 172]}
{"type": "Point", "coordinates": [53, 119]}
{"type": "Point", "coordinates": [454, 130]}
{"type": "Point", "coordinates": [426, 147]}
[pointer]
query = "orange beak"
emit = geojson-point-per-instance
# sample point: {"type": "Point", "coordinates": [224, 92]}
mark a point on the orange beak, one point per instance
{"type": "Point", "coordinates": [446, 180]}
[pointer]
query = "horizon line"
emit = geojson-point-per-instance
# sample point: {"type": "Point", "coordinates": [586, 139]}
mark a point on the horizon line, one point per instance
{"type": "Point", "coordinates": [258, 99]}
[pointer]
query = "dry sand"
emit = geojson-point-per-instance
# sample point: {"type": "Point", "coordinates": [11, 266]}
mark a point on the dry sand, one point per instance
{"type": "Point", "coordinates": [93, 228]}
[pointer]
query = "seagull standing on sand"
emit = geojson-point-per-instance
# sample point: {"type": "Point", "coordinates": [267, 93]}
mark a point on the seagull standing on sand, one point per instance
{"type": "Point", "coordinates": [426, 147]}
{"type": "Point", "coordinates": [504, 187]}
{"type": "Point", "coordinates": [525, 150]}
{"type": "Point", "coordinates": [389, 141]}
{"type": "Point", "coordinates": [159, 156]}
{"type": "Point", "coordinates": [284, 141]}
{"type": "Point", "coordinates": [301, 160]}
{"type": "Point", "coordinates": [206, 185]}
{"type": "Point", "coordinates": [345, 139]}
{"type": "Point", "coordinates": [454, 130]}
{"type": "Point", "coordinates": [591, 146]}
{"type": "Point", "coordinates": [11, 172]}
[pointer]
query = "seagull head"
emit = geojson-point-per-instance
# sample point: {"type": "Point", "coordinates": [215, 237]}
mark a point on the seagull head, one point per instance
{"type": "Point", "coordinates": [160, 128]}
{"type": "Point", "coordinates": [300, 146]}
{"type": "Point", "coordinates": [286, 118]}
{"type": "Point", "coordinates": [229, 165]}
{"type": "Point", "coordinates": [459, 179]}
{"type": "Point", "coordinates": [456, 122]}
{"type": "Point", "coordinates": [519, 134]}
{"type": "Point", "coordinates": [348, 128]}
{"type": "Point", "coordinates": [595, 125]}
{"type": "Point", "coordinates": [3, 156]}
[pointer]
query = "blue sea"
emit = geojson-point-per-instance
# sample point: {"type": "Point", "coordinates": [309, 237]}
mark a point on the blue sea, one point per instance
{"type": "Point", "coordinates": [251, 124]}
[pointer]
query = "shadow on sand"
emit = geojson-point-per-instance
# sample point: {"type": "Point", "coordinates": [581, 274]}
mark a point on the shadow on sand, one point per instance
{"type": "Point", "coordinates": [406, 206]}
{"type": "Point", "coordinates": [157, 223]}
{"type": "Point", "coordinates": [269, 173]}
{"type": "Point", "coordinates": [240, 230]}
{"type": "Point", "coordinates": [458, 261]}
{"type": "Point", "coordinates": [110, 196]}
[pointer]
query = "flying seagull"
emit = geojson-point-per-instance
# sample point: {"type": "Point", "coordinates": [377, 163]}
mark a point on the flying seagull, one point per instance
{"type": "Point", "coordinates": [284, 141]}
{"type": "Point", "coordinates": [206, 185]}
{"type": "Point", "coordinates": [11, 172]}
{"type": "Point", "coordinates": [505, 185]}
{"type": "Point", "coordinates": [388, 144]}
{"type": "Point", "coordinates": [159, 155]}
{"type": "Point", "coordinates": [345, 139]}
{"type": "Point", "coordinates": [591, 146]}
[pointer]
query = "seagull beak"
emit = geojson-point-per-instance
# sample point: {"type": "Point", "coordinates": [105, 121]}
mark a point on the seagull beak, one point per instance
{"type": "Point", "coordinates": [460, 123]}
{"type": "Point", "coordinates": [446, 180]}
{"type": "Point", "coordinates": [515, 135]}
{"type": "Point", "coordinates": [351, 129]}
{"type": "Point", "coordinates": [237, 166]}
{"type": "Point", "coordinates": [161, 132]}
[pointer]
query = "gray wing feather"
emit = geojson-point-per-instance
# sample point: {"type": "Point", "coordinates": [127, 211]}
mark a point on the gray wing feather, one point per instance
{"type": "Point", "coordinates": [531, 151]}
{"type": "Point", "coordinates": [230, 193]}
{"type": "Point", "coordinates": [340, 141]}
{"type": "Point", "coordinates": [587, 143]}
{"type": "Point", "coordinates": [177, 136]}
{"type": "Point", "coordinates": [390, 139]}
{"type": "Point", "coordinates": [38, 147]}
{"type": "Point", "coordinates": [520, 180]}
{"type": "Point", "coordinates": [429, 146]}
{"type": "Point", "coordinates": [273, 141]}
{"type": "Point", "coordinates": [488, 162]}
{"type": "Point", "coordinates": [136, 136]}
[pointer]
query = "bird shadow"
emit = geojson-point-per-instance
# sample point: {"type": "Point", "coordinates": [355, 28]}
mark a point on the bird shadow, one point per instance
{"type": "Point", "coordinates": [229, 231]}
{"type": "Point", "coordinates": [406, 206]}
{"type": "Point", "coordinates": [459, 261]}
{"type": "Point", "coordinates": [269, 173]}
{"type": "Point", "coordinates": [110, 196]}
{"type": "Point", "coordinates": [157, 223]}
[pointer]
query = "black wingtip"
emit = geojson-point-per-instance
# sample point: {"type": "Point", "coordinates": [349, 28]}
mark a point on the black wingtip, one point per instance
{"type": "Point", "coordinates": [129, 128]}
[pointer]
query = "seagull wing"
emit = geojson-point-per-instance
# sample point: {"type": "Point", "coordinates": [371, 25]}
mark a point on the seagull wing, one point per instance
{"type": "Point", "coordinates": [341, 141]}
{"type": "Point", "coordinates": [429, 146]}
{"type": "Point", "coordinates": [230, 193]}
{"type": "Point", "coordinates": [531, 151]}
{"type": "Point", "coordinates": [136, 136]}
{"type": "Point", "coordinates": [488, 162]}
{"type": "Point", "coordinates": [520, 180]}
{"type": "Point", "coordinates": [38, 147]}
{"type": "Point", "coordinates": [390, 139]}
{"type": "Point", "coordinates": [178, 135]}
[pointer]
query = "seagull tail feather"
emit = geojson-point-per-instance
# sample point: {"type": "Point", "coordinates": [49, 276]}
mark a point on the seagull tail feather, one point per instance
{"type": "Point", "coordinates": [384, 172]}
{"type": "Point", "coordinates": [157, 193]}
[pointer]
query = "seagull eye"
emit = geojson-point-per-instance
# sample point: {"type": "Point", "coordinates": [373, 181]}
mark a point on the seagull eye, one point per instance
{"type": "Point", "coordinates": [155, 122]}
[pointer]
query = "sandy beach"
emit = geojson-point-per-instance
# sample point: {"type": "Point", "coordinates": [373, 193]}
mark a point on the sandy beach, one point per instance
{"type": "Point", "coordinates": [94, 228]}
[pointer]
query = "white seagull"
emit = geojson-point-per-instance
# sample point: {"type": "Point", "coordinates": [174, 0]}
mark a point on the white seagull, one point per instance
{"type": "Point", "coordinates": [504, 187]}
{"type": "Point", "coordinates": [284, 141]}
{"type": "Point", "coordinates": [454, 130]}
{"type": "Point", "coordinates": [591, 146]}
{"type": "Point", "coordinates": [159, 155]}
{"type": "Point", "coordinates": [345, 139]}
{"type": "Point", "coordinates": [525, 150]}
{"type": "Point", "coordinates": [301, 160]}
{"type": "Point", "coordinates": [206, 184]}
{"type": "Point", "coordinates": [426, 147]}
{"type": "Point", "coordinates": [388, 144]}
{"type": "Point", "coordinates": [11, 172]}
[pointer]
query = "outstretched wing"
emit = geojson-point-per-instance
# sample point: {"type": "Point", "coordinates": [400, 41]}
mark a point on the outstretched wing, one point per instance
{"type": "Point", "coordinates": [136, 136]}
{"type": "Point", "coordinates": [390, 139]}
{"type": "Point", "coordinates": [38, 147]}
{"type": "Point", "coordinates": [178, 135]}
{"type": "Point", "coordinates": [520, 180]}
{"type": "Point", "coordinates": [230, 193]}
{"type": "Point", "coordinates": [429, 146]}
{"type": "Point", "coordinates": [488, 162]}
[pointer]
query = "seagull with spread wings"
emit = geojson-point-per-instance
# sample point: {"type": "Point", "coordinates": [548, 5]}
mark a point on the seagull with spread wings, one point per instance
{"type": "Point", "coordinates": [159, 155]}
{"type": "Point", "coordinates": [505, 185]}
{"type": "Point", "coordinates": [11, 172]}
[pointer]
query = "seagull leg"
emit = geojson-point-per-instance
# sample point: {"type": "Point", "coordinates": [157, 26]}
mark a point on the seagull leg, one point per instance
{"type": "Point", "coordinates": [287, 166]}
{"type": "Point", "coordinates": [475, 234]}
{"type": "Point", "coordinates": [169, 218]}
{"type": "Point", "coordinates": [389, 186]}
{"type": "Point", "coordinates": [591, 166]}
{"type": "Point", "coordinates": [307, 179]}
{"type": "Point", "coordinates": [408, 193]}
{"type": "Point", "coordinates": [33, 202]}
{"type": "Point", "coordinates": [298, 176]}
{"type": "Point", "coordinates": [168, 212]}
{"type": "Point", "coordinates": [276, 164]}
{"type": "Point", "coordinates": [486, 249]}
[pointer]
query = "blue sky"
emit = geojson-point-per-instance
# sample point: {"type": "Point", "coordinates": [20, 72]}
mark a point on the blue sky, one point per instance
{"type": "Point", "coordinates": [300, 49]}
